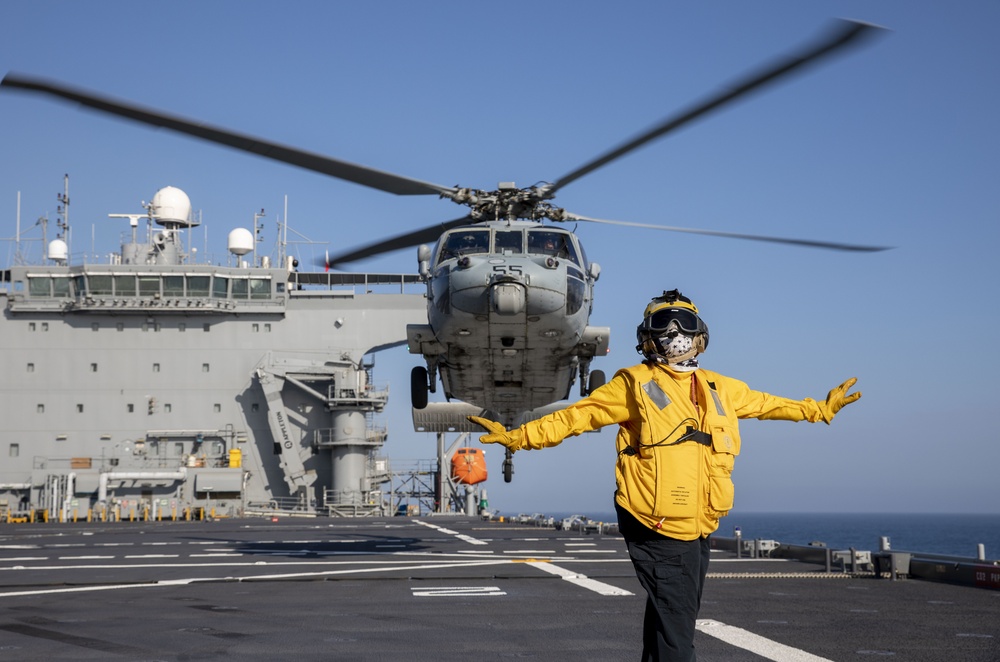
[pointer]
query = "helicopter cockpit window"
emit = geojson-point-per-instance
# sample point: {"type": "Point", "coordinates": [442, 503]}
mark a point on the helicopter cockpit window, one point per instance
{"type": "Point", "coordinates": [557, 244]}
{"type": "Point", "coordinates": [509, 242]}
{"type": "Point", "coordinates": [466, 242]}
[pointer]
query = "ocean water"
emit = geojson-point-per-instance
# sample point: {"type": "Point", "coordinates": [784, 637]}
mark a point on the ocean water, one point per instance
{"type": "Point", "coordinates": [952, 534]}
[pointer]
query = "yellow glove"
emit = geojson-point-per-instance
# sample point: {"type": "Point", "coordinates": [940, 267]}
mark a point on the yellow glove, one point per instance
{"type": "Point", "coordinates": [837, 399]}
{"type": "Point", "coordinates": [498, 434]}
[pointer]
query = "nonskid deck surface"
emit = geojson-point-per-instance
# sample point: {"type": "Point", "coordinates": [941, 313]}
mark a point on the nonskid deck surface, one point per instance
{"type": "Point", "coordinates": [436, 588]}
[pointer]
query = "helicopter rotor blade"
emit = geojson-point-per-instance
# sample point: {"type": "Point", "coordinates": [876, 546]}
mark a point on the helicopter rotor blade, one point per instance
{"type": "Point", "coordinates": [736, 235]}
{"type": "Point", "coordinates": [422, 236]}
{"type": "Point", "coordinates": [844, 33]}
{"type": "Point", "coordinates": [370, 177]}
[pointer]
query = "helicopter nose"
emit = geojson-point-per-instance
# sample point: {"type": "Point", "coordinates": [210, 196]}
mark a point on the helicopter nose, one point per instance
{"type": "Point", "coordinates": [507, 298]}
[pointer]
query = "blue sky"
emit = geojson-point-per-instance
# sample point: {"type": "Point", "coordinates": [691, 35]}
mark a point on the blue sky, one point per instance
{"type": "Point", "coordinates": [895, 144]}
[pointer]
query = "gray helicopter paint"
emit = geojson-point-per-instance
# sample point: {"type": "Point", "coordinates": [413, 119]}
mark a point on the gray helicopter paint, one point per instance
{"type": "Point", "coordinates": [501, 330]}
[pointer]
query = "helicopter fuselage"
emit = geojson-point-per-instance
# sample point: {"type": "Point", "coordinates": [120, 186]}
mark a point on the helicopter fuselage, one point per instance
{"type": "Point", "coordinates": [508, 306]}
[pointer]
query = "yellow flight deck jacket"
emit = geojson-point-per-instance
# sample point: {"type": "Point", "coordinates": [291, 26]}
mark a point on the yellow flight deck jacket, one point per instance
{"type": "Point", "coordinates": [677, 440]}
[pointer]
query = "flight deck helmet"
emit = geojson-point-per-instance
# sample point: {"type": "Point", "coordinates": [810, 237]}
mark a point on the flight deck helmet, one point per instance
{"type": "Point", "coordinates": [666, 315]}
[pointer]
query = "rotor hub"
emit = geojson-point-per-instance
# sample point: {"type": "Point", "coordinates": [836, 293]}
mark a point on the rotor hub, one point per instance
{"type": "Point", "coordinates": [507, 202]}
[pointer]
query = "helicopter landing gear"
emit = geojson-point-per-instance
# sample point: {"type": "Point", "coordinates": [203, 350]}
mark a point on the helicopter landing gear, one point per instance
{"type": "Point", "coordinates": [596, 381]}
{"type": "Point", "coordinates": [418, 387]}
{"type": "Point", "coordinates": [508, 466]}
{"type": "Point", "coordinates": [590, 381]}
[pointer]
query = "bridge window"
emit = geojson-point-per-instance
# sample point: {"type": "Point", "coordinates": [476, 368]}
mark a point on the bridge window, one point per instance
{"type": "Point", "coordinates": [125, 286]}
{"type": "Point", "coordinates": [220, 287]}
{"type": "Point", "coordinates": [100, 285]}
{"type": "Point", "coordinates": [240, 288]}
{"type": "Point", "coordinates": [260, 288]}
{"type": "Point", "coordinates": [149, 286]}
{"type": "Point", "coordinates": [173, 286]}
{"type": "Point", "coordinates": [60, 286]}
{"type": "Point", "coordinates": [39, 286]}
{"type": "Point", "coordinates": [198, 286]}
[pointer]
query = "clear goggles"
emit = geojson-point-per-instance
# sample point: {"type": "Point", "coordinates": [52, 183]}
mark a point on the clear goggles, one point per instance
{"type": "Point", "coordinates": [687, 321]}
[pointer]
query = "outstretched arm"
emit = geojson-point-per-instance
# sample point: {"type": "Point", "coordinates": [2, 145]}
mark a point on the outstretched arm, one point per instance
{"type": "Point", "coordinates": [769, 407]}
{"type": "Point", "coordinates": [608, 404]}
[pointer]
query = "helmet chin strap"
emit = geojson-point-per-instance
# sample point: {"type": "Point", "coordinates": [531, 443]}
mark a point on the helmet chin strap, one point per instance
{"type": "Point", "coordinates": [674, 360]}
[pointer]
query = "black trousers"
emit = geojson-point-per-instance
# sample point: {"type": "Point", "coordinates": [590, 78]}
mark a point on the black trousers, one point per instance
{"type": "Point", "coordinates": [673, 574]}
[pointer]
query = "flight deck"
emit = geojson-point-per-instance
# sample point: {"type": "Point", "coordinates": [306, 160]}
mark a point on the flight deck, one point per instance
{"type": "Point", "coordinates": [438, 588]}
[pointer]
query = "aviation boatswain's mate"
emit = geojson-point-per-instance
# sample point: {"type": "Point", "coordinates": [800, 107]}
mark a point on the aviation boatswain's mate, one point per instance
{"type": "Point", "coordinates": [677, 440]}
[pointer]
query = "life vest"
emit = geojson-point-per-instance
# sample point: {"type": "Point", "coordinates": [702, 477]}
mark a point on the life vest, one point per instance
{"type": "Point", "coordinates": [675, 460]}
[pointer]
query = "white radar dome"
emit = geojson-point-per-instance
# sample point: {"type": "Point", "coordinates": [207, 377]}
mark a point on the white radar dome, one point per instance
{"type": "Point", "coordinates": [240, 241]}
{"type": "Point", "coordinates": [171, 206]}
{"type": "Point", "coordinates": [58, 250]}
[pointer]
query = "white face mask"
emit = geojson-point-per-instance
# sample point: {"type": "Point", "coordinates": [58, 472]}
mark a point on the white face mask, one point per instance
{"type": "Point", "coordinates": [678, 349]}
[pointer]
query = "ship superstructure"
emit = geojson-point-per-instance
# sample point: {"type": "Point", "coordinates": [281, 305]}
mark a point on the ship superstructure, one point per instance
{"type": "Point", "coordinates": [150, 385]}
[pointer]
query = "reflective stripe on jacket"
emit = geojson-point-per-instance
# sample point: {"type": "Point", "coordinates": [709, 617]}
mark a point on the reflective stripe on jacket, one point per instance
{"type": "Point", "coordinates": [671, 478]}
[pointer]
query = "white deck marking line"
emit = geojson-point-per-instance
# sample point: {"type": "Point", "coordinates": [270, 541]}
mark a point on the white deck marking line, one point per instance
{"type": "Point", "coordinates": [83, 558]}
{"type": "Point", "coordinates": [396, 559]}
{"type": "Point", "coordinates": [460, 536]}
{"type": "Point", "coordinates": [26, 558]}
{"type": "Point", "coordinates": [457, 591]}
{"type": "Point", "coordinates": [579, 580]}
{"type": "Point", "coordinates": [594, 551]}
{"type": "Point", "coordinates": [755, 643]}
{"type": "Point", "coordinates": [295, 575]}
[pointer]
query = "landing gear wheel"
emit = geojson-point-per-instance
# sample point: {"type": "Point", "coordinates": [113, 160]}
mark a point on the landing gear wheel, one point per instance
{"type": "Point", "coordinates": [597, 380]}
{"type": "Point", "coordinates": [418, 387]}
{"type": "Point", "coordinates": [508, 467]}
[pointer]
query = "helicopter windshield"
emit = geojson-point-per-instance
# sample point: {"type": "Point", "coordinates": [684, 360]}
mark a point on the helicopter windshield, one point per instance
{"type": "Point", "coordinates": [556, 244]}
{"type": "Point", "coordinates": [465, 242]}
{"type": "Point", "coordinates": [509, 241]}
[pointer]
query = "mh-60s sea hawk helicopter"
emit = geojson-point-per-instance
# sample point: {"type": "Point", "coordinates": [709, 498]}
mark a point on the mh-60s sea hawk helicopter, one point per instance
{"type": "Point", "coordinates": [509, 299]}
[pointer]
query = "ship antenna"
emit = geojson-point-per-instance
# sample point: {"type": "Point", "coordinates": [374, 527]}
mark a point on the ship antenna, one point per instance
{"type": "Point", "coordinates": [257, 227]}
{"type": "Point", "coordinates": [63, 212]}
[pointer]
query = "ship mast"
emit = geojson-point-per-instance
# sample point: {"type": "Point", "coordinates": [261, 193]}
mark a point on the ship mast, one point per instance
{"type": "Point", "coordinates": [63, 213]}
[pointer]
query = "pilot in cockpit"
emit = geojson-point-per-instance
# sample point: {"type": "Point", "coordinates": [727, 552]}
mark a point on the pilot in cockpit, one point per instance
{"type": "Point", "coordinates": [546, 243]}
{"type": "Point", "coordinates": [463, 243]}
